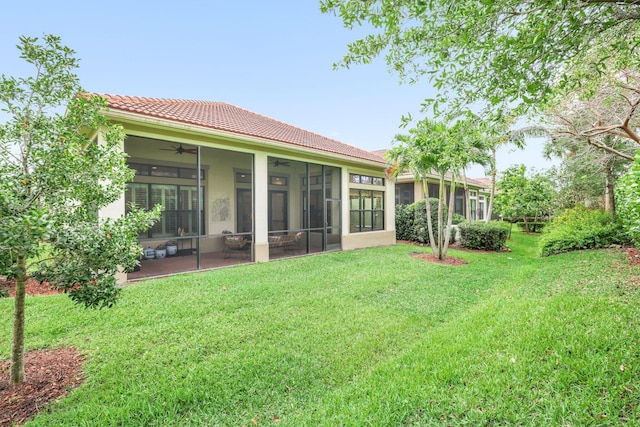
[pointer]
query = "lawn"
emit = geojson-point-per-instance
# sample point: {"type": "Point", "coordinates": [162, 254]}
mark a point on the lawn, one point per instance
{"type": "Point", "coordinates": [367, 337]}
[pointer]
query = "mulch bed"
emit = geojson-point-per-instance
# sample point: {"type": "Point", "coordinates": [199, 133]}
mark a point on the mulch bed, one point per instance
{"type": "Point", "coordinates": [634, 255]}
{"type": "Point", "coordinates": [448, 260]}
{"type": "Point", "coordinates": [49, 375]}
{"type": "Point", "coordinates": [33, 287]}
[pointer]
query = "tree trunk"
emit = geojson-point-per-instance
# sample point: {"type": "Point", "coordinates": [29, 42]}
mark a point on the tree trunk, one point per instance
{"type": "Point", "coordinates": [17, 344]}
{"type": "Point", "coordinates": [467, 199]}
{"type": "Point", "coordinates": [425, 187]}
{"type": "Point", "coordinates": [452, 199]}
{"type": "Point", "coordinates": [494, 172]}
{"type": "Point", "coordinates": [609, 193]}
{"type": "Point", "coordinates": [441, 197]}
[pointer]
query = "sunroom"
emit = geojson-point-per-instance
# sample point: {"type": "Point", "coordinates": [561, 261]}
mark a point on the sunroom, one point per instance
{"type": "Point", "coordinates": [237, 187]}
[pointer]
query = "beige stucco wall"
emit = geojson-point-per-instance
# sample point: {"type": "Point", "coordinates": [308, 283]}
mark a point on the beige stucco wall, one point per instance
{"type": "Point", "coordinates": [368, 240]}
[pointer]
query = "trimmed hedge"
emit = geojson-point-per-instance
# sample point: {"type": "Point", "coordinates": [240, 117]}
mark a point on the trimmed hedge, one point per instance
{"type": "Point", "coordinates": [404, 222]}
{"type": "Point", "coordinates": [581, 228]}
{"type": "Point", "coordinates": [488, 237]}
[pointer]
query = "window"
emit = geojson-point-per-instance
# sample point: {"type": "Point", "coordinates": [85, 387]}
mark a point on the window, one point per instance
{"type": "Point", "coordinates": [366, 179]}
{"type": "Point", "coordinates": [460, 200]}
{"type": "Point", "coordinates": [278, 180]}
{"type": "Point", "coordinates": [404, 193]}
{"type": "Point", "coordinates": [434, 190]}
{"type": "Point", "coordinates": [165, 171]}
{"type": "Point", "coordinates": [367, 210]}
{"type": "Point", "coordinates": [179, 203]}
{"type": "Point", "coordinates": [243, 177]}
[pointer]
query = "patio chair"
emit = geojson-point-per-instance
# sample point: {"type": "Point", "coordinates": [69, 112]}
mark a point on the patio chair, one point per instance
{"type": "Point", "coordinates": [235, 243]}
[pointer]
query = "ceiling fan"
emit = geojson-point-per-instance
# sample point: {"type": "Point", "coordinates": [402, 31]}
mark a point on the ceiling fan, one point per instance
{"type": "Point", "coordinates": [278, 162]}
{"type": "Point", "coordinates": [181, 150]}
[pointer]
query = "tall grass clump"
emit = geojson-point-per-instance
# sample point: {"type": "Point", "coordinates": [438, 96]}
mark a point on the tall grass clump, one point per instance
{"type": "Point", "coordinates": [580, 228]}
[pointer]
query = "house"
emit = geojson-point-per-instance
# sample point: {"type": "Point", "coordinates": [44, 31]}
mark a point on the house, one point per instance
{"type": "Point", "coordinates": [408, 190]}
{"type": "Point", "coordinates": [237, 186]}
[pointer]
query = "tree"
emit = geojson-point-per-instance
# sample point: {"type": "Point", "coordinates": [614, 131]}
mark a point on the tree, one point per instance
{"type": "Point", "coordinates": [58, 171]}
{"type": "Point", "coordinates": [628, 195]}
{"type": "Point", "coordinates": [511, 50]}
{"type": "Point", "coordinates": [438, 148]}
{"type": "Point", "coordinates": [602, 114]}
{"type": "Point", "coordinates": [522, 196]}
{"type": "Point", "coordinates": [497, 124]}
{"type": "Point", "coordinates": [587, 174]}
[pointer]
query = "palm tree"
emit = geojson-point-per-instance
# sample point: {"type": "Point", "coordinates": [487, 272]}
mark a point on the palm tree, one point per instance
{"type": "Point", "coordinates": [438, 148]}
{"type": "Point", "coordinates": [497, 132]}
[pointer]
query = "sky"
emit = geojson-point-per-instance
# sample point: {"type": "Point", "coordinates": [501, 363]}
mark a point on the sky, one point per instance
{"type": "Point", "coordinates": [274, 58]}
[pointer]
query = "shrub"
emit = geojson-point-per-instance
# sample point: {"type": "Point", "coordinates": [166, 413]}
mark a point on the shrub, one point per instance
{"type": "Point", "coordinates": [411, 221]}
{"type": "Point", "coordinates": [490, 237]}
{"type": "Point", "coordinates": [420, 226]}
{"type": "Point", "coordinates": [404, 222]}
{"type": "Point", "coordinates": [628, 201]}
{"type": "Point", "coordinates": [580, 228]}
{"type": "Point", "coordinates": [457, 219]}
{"type": "Point", "coordinates": [507, 225]}
{"type": "Point", "coordinates": [531, 227]}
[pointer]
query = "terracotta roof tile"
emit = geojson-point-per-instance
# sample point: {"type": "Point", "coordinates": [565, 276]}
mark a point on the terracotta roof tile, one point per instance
{"type": "Point", "coordinates": [229, 118]}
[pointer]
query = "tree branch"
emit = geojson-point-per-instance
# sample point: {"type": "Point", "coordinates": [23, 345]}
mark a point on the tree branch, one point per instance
{"type": "Point", "coordinates": [609, 149]}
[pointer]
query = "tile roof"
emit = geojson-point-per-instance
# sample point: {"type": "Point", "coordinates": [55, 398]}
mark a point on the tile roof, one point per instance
{"type": "Point", "coordinates": [380, 152]}
{"type": "Point", "coordinates": [229, 118]}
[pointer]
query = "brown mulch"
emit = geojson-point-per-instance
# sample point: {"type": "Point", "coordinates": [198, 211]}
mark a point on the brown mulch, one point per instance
{"type": "Point", "coordinates": [33, 287]}
{"type": "Point", "coordinates": [634, 255]}
{"type": "Point", "coordinates": [49, 375]}
{"type": "Point", "coordinates": [448, 260]}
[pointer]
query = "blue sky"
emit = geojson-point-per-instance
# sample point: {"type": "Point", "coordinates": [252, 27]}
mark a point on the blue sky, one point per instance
{"type": "Point", "coordinates": [271, 57]}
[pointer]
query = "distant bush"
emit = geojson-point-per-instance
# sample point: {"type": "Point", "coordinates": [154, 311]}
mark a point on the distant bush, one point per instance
{"type": "Point", "coordinates": [489, 237]}
{"type": "Point", "coordinates": [580, 228]}
{"type": "Point", "coordinates": [411, 221]}
{"type": "Point", "coordinates": [457, 219]}
{"type": "Point", "coordinates": [531, 227]}
{"type": "Point", "coordinates": [507, 225]}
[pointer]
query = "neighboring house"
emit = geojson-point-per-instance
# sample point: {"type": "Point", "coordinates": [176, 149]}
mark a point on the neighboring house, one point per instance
{"type": "Point", "coordinates": [240, 187]}
{"type": "Point", "coordinates": [408, 190]}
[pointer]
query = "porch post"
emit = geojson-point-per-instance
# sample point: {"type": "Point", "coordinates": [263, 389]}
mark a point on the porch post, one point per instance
{"type": "Point", "coordinates": [346, 202]}
{"type": "Point", "coordinates": [261, 207]}
{"type": "Point", "coordinates": [390, 205]}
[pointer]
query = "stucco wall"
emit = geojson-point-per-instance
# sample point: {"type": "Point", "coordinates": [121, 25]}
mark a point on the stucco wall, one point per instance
{"type": "Point", "coordinates": [368, 240]}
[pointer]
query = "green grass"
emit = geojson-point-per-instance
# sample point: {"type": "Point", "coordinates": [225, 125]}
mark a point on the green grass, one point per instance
{"type": "Point", "coordinates": [368, 337]}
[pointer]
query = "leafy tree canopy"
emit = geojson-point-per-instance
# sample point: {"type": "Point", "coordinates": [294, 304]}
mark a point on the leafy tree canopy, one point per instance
{"type": "Point", "coordinates": [59, 170]}
{"type": "Point", "coordinates": [497, 51]}
{"type": "Point", "coordinates": [522, 196]}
